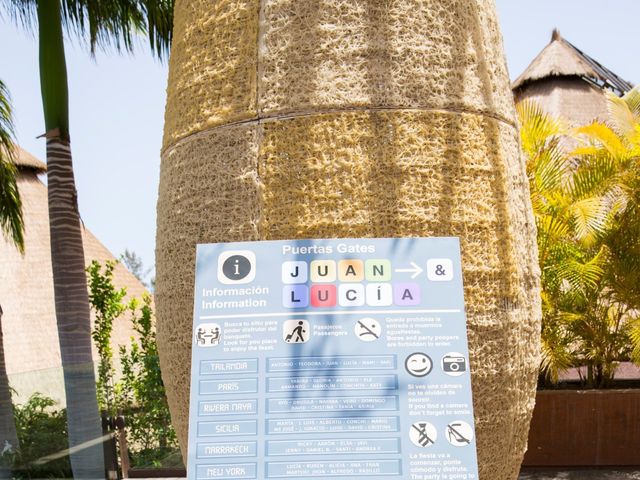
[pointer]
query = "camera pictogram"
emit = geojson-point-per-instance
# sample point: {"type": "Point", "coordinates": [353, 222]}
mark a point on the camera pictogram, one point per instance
{"type": "Point", "coordinates": [454, 364]}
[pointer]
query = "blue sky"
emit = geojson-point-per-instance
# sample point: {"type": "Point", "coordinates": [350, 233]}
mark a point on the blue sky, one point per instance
{"type": "Point", "coordinates": [117, 104]}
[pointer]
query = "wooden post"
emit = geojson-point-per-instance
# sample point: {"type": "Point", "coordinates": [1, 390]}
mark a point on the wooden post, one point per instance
{"type": "Point", "coordinates": [122, 442]}
{"type": "Point", "coordinates": [109, 445]}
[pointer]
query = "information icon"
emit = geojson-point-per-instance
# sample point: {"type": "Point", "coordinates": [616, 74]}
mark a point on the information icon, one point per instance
{"type": "Point", "coordinates": [368, 329]}
{"type": "Point", "coordinates": [418, 364]}
{"type": "Point", "coordinates": [236, 267]}
{"type": "Point", "coordinates": [459, 434]}
{"type": "Point", "coordinates": [423, 434]}
{"type": "Point", "coordinates": [296, 331]}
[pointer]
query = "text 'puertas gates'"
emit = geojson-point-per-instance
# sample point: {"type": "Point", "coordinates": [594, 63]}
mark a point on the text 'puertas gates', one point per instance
{"type": "Point", "coordinates": [338, 358]}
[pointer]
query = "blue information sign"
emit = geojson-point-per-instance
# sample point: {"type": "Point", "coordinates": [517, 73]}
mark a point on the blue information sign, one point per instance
{"type": "Point", "coordinates": [341, 358]}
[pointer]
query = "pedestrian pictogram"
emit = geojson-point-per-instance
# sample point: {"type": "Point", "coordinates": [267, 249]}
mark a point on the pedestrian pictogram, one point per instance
{"type": "Point", "coordinates": [208, 335]}
{"type": "Point", "coordinates": [296, 331]}
{"type": "Point", "coordinates": [423, 434]}
{"type": "Point", "coordinates": [368, 329]}
{"type": "Point", "coordinates": [419, 364]}
{"type": "Point", "coordinates": [459, 434]}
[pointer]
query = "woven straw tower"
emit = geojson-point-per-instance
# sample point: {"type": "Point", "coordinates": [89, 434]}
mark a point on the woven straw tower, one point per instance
{"type": "Point", "coordinates": [354, 118]}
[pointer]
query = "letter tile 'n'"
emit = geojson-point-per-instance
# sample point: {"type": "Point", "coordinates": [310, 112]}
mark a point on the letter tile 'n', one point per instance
{"type": "Point", "coordinates": [378, 270]}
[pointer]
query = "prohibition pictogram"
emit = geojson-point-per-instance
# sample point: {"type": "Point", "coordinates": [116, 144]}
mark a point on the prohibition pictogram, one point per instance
{"type": "Point", "coordinates": [368, 329]}
{"type": "Point", "coordinates": [423, 434]}
{"type": "Point", "coordinates": [459, 434]}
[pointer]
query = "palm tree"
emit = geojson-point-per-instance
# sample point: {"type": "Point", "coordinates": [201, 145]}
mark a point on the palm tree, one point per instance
{"type": "Point", "coordinates": [568, 221]}
{"type": "Point", "coordinates": [13, 229]}
{"type": "Point", "coordinates": [103, 23]}
{"type": "Point", "coordinates": [586, 214]}
{"type": "Point", "coordinates": [619, 143]}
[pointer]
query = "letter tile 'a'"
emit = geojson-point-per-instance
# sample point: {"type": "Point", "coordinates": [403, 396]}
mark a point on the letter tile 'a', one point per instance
{"type": "Point", "coordinates": [350, 270]}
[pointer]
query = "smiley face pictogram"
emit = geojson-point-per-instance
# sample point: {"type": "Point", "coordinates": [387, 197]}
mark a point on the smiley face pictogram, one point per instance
{"type": "Point", "coordinates": [418, 364]}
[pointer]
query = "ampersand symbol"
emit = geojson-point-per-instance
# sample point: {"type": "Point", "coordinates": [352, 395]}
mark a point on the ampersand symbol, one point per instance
{"type": "Point", "coordinates": [440, 270]}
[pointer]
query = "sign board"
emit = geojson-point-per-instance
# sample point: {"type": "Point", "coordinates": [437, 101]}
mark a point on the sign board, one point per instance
{"type": "Point", "coordinates": [341, 358]}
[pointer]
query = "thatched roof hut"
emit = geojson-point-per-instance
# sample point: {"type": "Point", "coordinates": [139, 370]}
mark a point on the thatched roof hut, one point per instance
{"type": "Point", "coordinates": [26, 293]}
{"type": "Point", "coordinates": [565, 81]}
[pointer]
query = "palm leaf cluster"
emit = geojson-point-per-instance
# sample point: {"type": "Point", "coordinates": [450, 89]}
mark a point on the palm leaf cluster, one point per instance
{"type": "Point", "coordinates": [11, 220]}
{"type": "Point", "coordinates": [107, 23]}
{"type": "Point", "coordinates": [584, 186]}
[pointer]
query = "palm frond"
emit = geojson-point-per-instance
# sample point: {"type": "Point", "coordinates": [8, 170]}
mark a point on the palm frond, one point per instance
{"type": "Point", "coordinates": [21, 12]}
{"type": "Point", "coordinates": [556, 356]}
{"type": "Point", "coordinates": [603, 135]}
{"type": "Point", "coordinates": [632, 99]}
{"type": "Point", "coordinates": [159, 15]}
{"type": "Point", "coordinates": [536, 127]}
{"type": "Point", "coordinates": [116, 23]}
{"type": "Point", "coordinates": [11, 220]}
{"type": "Point", "coordinates": [582, 275]}
{"type": "Point", "coordinates": [595, 175]}
{"type": "Point", "coordinates": [590, 217]}
{"type": "Point", "coordinates": [552, 227]}
{"type": "Point", "coordinates": [620, 114]}
{"type": "Point", "coordinates": [106, 24]}
{"type": "Point", "coordinates": [551, 168]}
{"type": "Point", "coordinates": [634, 334]}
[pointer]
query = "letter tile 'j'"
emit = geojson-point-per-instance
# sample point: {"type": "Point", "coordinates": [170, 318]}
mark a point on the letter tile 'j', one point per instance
{"type": "Point", "coordinates": [294, 272]}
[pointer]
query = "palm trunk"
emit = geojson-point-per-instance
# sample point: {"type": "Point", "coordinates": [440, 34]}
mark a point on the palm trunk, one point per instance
{"type": "Point", "coordinates": [72, 313]}
{"type": "Point", "coordinates": [67, 255]}
{"type": "Point", "coordinates": [8, 435]}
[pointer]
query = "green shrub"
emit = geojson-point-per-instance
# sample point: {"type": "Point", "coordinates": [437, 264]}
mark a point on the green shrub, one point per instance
{"type": "Point", "coordinates": [143, 397]}
{"type": "Point", "coordinates": [139, 394]}
{"type": "Point", "coordinates": [42, 431]}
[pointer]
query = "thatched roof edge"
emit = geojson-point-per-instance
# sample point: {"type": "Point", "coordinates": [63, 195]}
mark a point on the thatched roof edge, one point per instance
{"type": "Point", "coordinates": [560, 58]}
{"type": "Point", "coordinates": [25, 160]}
